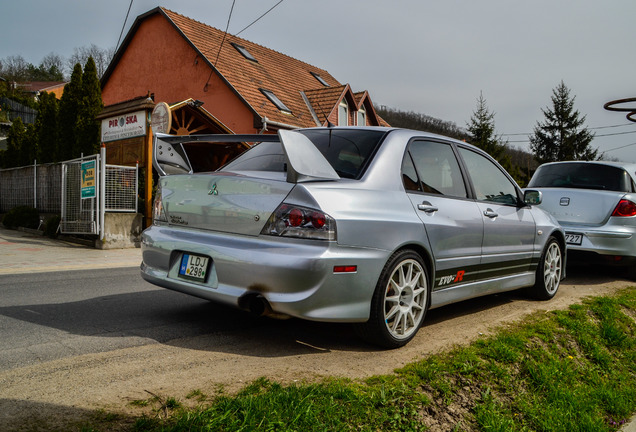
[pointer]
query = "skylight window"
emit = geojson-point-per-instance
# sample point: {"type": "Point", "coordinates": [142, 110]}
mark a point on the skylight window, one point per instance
{"type": "Point", "coordinates": [244, 52]}
{"type": "Point", "coordinates": [320, 79]}
{"type": "Point", "coordinates": [277, 102]}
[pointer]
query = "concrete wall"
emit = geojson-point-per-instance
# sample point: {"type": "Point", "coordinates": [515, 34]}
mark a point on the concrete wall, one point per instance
{"type": "Point", "coordinates": [121, 230]}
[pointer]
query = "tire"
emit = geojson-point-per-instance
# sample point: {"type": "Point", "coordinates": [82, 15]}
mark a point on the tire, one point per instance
{"type": "Point", "coordinates": [549, 271]}
{"type": "Point", "coordinates": [400, 301]}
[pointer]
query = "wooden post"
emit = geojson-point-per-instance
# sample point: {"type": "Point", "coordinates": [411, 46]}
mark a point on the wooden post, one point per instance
{"type": "Point", "coordinates": [148, 190]}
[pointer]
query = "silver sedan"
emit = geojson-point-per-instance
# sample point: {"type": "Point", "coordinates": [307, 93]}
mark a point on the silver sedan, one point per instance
{"type": "Point", "coordinates": [372, 226]}
{"type": "Point", "coordinates": [595, 203]}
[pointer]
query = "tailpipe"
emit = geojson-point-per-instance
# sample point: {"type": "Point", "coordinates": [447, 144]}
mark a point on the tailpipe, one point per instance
{"type": "Point", "coordinates": [255, 304]}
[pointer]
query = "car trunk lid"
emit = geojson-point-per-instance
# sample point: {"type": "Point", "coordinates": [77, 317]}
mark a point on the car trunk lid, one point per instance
{"type": "Point", "coordinates": [579, 206]}
{"type": "Point", "coordinates": [222, 201]}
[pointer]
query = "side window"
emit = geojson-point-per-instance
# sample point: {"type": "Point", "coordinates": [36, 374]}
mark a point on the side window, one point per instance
{"type": "Point", "coordinates": [490, 183]}
{"type": "Point", "coordinates": [431, 167]}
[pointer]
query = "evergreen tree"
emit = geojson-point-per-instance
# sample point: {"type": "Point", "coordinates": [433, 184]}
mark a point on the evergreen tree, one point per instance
{"type": "Point", "coordinates": [46, 125]}
{"type": "Point", "coordinates": [482, 135]}
{"type": "Point", "coordinates": [68, 115]}
{"type": "Point", "coordinates": [21, 145]}
{"type": "Point", "coordinates": [562, 135]}
{"type": "Point", "coordinates": [90, 105]}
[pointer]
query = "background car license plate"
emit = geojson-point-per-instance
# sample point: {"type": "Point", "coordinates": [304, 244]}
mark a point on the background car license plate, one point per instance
{"type": "Point", "coordinates": [573, 238]}
{"type": "Point", "coordinates": [194, 267]}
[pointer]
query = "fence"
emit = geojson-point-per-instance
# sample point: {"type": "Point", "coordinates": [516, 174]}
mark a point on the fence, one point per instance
{"type": "Point", "coordinates": [37, 186]}
{"type": "Point", "coordinates": [55, 188]}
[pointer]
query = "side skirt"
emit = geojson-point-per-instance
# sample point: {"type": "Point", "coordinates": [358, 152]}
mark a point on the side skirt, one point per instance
{"type": "Point", "coordinates": [457, 293]}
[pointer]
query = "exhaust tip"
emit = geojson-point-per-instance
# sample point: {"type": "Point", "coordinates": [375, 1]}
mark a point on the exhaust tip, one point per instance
{"type": "Point", "coordinates": [255, 304]}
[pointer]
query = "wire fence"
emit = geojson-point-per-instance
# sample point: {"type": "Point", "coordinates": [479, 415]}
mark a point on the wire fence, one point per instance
{"type": "Point", "coordinates": [40, 187]}
{"type": "Point", "coordinates": [37, 186]}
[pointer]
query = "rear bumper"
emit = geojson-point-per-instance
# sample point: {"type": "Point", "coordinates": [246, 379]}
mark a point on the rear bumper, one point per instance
{"type": "Point", "coordinates": [620, 241]}
{"type": "Point", "coordinates": [295, 277]}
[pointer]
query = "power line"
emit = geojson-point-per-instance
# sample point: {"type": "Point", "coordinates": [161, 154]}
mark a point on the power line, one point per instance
{"type": "Point", "coordinates": [268, 11]}
{"type": "Point", "coordinates": [224, 34]}
{"type": "Point", "coordinates": [124, 25]}
{"type": "Point", "coordinates": [592, 128]}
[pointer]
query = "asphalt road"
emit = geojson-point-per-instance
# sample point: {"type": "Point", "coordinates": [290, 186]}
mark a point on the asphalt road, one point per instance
{"type": "Point", "coordinates": [48, 316]}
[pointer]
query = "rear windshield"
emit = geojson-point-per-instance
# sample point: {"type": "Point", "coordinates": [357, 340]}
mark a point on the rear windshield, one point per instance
{"type": "Point", "coordinates": [582, 176]}
{"type": "Point", "coordinates": [349, 152]}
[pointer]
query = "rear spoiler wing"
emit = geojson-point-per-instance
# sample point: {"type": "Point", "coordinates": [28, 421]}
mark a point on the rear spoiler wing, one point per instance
{"type": "Point", "coordinates": [304, 160]}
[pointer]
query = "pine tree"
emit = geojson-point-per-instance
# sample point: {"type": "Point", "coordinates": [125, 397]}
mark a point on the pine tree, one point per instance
{"type": "Point", "coordinates": [68, 114]}
{"type": "Point", "coordinates": [482, 131]}
{"type": "Point", "coordinates": [90, 105]}
{"type": "Point", "coordinates": [46, 125]}
{"type": "Point", "coordinates": [21, 145]}
{"type": "Point", "coordinates": [562, 135]}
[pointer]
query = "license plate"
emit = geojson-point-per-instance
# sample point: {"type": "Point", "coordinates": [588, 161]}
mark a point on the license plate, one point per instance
{"type": "Point", "coordinates": [194, 267]}
{"type": "Point", "coordinates": [573, 238]}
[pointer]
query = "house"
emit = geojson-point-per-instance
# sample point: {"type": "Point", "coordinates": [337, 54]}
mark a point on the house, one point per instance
{"type": "Point", "coordinates": [249, 88]}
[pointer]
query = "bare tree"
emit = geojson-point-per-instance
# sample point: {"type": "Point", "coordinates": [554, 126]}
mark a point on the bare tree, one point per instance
{"type": "Point", "coordinates": [52, 61]}
{"type": "Point", "coordinates": [14, 68]}
{"type": "Point", "coordinates": [101, 57]}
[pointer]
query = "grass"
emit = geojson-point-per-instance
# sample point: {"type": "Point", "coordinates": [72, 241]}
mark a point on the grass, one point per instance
{"type": "Point", "coordinates": [571, 370]}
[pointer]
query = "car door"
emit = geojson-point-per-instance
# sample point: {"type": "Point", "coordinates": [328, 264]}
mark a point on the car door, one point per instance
{"type": "Point", "coordinates": [437, 189]}
{"type": "Point", "coordinates": [509, 228]}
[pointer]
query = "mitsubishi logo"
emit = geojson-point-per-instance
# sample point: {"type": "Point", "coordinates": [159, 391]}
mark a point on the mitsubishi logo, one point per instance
{"type": "Point", "coordinates": [213, 191]}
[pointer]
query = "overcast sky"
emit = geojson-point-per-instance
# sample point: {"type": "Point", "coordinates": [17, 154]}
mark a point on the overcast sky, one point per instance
{"type": "Point", "coordinates": [429, 56]}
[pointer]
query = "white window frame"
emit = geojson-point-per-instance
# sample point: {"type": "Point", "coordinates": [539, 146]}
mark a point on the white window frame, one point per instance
{"type": "Point", "coordinates": [362, 117]}
{"type": "Point", "coordinates": [343, 113]}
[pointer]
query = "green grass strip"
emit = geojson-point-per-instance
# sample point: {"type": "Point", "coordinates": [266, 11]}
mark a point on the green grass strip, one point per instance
{"type": "Point", "coordinates": [571, 370]}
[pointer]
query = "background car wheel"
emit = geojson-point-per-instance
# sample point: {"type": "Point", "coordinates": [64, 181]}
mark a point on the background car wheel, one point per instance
{"type": "Point", "coordinates": [549, 271]}
{"type": "Point", "coordinates": [399, 303]}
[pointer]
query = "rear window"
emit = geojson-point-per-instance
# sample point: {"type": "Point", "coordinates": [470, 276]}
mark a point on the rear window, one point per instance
{"type": "Point", "coordinates": [582, 176]}
{"type": "Point", "coordinates": [349, 152]}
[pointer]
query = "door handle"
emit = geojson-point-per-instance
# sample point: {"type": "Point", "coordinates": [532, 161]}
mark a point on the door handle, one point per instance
{"type": "Point", "coordinates": [427, 207]}
{"type": "Point", "coordinates": [490, 213]}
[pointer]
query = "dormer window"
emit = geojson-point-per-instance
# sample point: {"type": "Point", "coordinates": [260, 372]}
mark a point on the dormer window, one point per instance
{"type": "Point", "coordinates": [362, 117]}
{"type": "Point", "coordinates": [320, 79]}
{"type": "Point", "coordinates": [277, 102]}
{"type": "Point", "coordinates": [343, 114]}
{"type": "Point", "coordinates": [244, 52]}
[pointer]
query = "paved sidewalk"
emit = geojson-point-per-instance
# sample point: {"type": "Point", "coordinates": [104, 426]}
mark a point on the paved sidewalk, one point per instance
{"type": "Point", "coordinates": [24, 252]}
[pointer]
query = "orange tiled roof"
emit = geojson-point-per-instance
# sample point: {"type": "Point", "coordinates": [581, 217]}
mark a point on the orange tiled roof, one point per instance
{"type": "Point", "coordinates": [285, 76]}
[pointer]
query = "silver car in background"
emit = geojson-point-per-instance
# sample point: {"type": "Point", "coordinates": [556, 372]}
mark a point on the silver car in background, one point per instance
{"type": "Point", "coordinates": [372, 226]}
{"type": "Point", "coordinates": [595, 203]}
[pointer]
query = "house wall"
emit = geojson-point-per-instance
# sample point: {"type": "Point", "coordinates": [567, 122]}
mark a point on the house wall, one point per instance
{"type": "Point", "coordinates": [160, 61]}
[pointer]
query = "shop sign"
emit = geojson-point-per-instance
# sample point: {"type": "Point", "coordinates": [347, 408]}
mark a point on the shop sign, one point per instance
{"type": "Point", "coordinates": [124, 126]}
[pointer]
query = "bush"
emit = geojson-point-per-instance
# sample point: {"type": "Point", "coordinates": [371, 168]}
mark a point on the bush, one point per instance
{"type": "Point", "coordinates": [51, 225]}
{"type": "Point", "coordinates": [22, 216]}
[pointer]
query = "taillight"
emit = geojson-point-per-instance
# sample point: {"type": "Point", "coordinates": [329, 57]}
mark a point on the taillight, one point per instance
{"type": "Point", "coordinates": [625, 208]}
{"type": "Point", "coordinates": [158, 214]}
{"type": "Point", "coordinates": [297, 221]}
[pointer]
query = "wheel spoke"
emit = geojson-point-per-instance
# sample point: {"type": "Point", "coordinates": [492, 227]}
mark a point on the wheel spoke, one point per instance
{"type": "Point", "coordinates": [405, 299]}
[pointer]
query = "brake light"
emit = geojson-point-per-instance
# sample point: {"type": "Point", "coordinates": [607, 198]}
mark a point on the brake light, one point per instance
{"type": "Point", "coordinates": [625, 208]}
{"type": "Point", "coordinates": [302, 222]}
{"type": "Point", "coordinates": [158, 213]}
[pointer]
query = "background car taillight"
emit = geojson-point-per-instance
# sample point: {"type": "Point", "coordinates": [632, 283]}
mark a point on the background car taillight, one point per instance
{"type": "Point", "coordinates": [625, 208]}
{"type": "Point", "coordinates": [302, 222]}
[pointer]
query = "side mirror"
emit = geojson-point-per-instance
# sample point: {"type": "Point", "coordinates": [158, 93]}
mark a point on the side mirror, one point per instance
{"type": "Point", "coordinates": [532, 197]}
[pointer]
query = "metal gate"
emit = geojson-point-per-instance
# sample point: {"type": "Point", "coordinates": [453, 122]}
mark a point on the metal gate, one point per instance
{"type": "Point", "coordinates": [90, 188]}
{"type": "Point", "coordinates": [80, 196]}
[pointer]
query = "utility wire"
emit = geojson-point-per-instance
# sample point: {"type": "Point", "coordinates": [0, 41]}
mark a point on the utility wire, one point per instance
{"type": "Point", "coordinates": [253, 22]}
{"type": "Point", "coordinates": [224, 34]}
{"type": "Point", "coordinates": [124, 25]}
{"type": "Point", "coordinates": [594, 128]}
